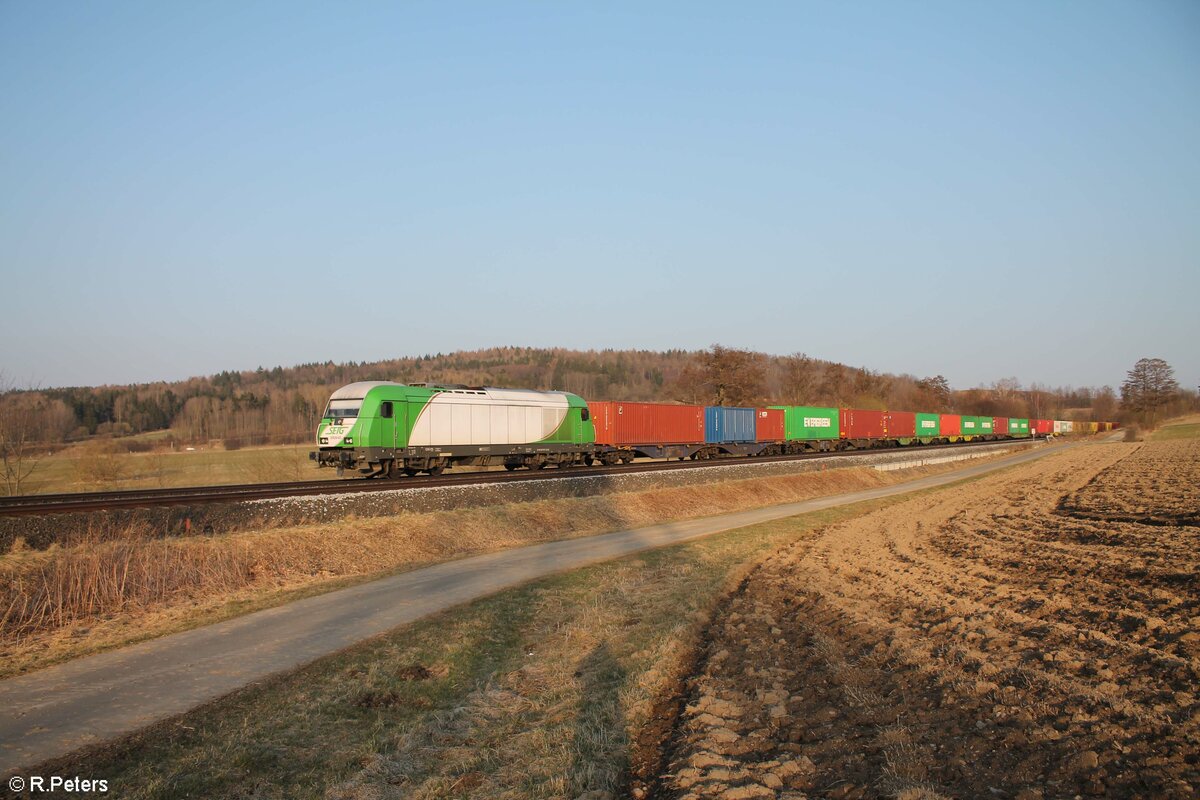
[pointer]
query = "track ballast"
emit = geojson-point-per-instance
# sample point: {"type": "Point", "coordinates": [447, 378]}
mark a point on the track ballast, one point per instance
{"type": "Point", "coordinates": [25, 505]}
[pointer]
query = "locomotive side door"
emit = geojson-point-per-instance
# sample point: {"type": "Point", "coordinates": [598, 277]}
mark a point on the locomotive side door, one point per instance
{"type": "Point", "coordinates": [391, 419]}
{"type": "Point", "coordinates": [400, 425]}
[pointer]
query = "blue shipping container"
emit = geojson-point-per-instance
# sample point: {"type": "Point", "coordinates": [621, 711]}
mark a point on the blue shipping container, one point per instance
{"type": "Point", "coordinates": [723, 424]}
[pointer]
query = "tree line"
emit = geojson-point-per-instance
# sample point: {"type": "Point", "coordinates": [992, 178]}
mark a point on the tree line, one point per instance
{"type": "Point", "coordinates": [282, 405]}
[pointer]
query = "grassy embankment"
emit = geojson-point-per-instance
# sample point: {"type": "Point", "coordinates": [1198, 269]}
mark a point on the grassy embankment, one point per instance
{"type": "Point", "coordinates": [1181, 430]}
{"type": "Point", "coordinates": [97, 593]}
{"type": "Point", "coordinates": [532, 693]}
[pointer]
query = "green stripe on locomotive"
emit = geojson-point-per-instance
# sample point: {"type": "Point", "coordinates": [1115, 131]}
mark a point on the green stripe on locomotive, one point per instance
{"type": "Point", "coordinates": [390, 412]}
{"type": "Point", "coordinates": [810, 423]}
{"type": "Point", "coordinates": [574, 428]}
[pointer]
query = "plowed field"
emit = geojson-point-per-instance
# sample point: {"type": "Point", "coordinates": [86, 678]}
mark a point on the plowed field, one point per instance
{"type": "Point", "coordinates": [991, 640]}
{"type": "Point", "coordinates": [1155, 485]}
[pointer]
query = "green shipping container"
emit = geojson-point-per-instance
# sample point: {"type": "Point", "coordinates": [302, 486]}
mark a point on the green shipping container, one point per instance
{"type": "Point", "coordinates": [808, 422]}
{"type": "Point", "coordinates": [976, 426]}
{"type": "Point", "coordinates": [1018, 427]}
{"type": "Point", "coordinates": [929, 426]}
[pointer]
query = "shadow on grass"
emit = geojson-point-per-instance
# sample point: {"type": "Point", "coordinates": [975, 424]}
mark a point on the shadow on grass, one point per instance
{"type": "Point", "coordinates": [599, 746]}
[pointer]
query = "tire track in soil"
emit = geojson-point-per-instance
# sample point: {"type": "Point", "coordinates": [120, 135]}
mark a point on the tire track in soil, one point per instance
{"type": "Point", "coordinates": [970, 643]}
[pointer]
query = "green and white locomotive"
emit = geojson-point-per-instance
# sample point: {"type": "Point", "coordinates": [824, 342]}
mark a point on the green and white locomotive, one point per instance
{"type": "Point", "coordinates": [385, 429]}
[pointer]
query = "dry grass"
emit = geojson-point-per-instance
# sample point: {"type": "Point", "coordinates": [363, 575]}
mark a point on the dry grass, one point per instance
{"type": "Point", "coordinates": [1176, 431]}
{"type": "Point", "coordinates": [101, 465]}
{"type": "Point", "coordinates": [533, 693]}
{"type": "Point", "coordinates": [93, 594]}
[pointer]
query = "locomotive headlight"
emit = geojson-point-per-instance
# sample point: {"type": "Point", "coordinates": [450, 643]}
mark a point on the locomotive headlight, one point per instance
{"type": "Point", "coordinates": [324, 440]}
{"type": "Point", "coordinates": [349, 440]}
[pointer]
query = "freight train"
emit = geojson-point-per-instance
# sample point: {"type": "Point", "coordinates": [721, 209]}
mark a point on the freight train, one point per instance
{"type": "Point", "coordinates": [384, 429]}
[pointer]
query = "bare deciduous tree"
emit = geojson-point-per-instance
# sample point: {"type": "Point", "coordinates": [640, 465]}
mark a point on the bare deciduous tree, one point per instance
{"type": "Point", "coordinates": [723, 376]}
{"type": "Point", "coordinates": [936, 389]}
{"type": "Point", "coordinates": [736, 377]}
{"type": "Point", "coordinates": [800, 377]}
{"type": "Point", "coordinates": [1148, 387]}
{"type": "Point", "coordinates": [20, 426]}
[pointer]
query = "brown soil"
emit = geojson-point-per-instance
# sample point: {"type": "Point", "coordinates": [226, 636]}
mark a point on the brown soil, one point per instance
{"type": "Point", "coordinates": [971, 643]}
{"type": "Point", "coordinates": [1155, 485]}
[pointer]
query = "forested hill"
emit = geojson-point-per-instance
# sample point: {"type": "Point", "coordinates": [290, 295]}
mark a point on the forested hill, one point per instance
{"type": "Point", "coordinates": [282, 404]}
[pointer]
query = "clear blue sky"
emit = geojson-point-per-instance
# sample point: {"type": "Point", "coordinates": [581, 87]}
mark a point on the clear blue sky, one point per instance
{"type": "Point", "coordinates": [974, 189]}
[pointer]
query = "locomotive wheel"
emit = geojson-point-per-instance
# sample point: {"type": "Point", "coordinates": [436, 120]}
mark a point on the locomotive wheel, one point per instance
{"type": "Point", "coordinates": [510, 467]}
{"type": "Point", "coordinates": [410, 472]}
{"type": "Point", "coordinates": [438, 470]}
{"type": "Point", "coordinates": [588, 460]}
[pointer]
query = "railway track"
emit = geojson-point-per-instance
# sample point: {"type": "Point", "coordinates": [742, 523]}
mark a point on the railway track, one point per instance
{"type": "Point", "coordinates": [27, 505]}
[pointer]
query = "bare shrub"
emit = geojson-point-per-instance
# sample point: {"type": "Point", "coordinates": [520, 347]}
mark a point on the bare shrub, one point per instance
{"type": "Point", "coordinates": [100, 464]}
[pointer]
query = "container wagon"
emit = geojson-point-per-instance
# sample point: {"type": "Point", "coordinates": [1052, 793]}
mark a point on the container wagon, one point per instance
{"type": "Point", "coordinates": [976, 427]}
{"type": "Point", "coordinates": [811, 428]}
{"type": "Point", "coordinates": [901, 426]}
{"type": "Point", "coordinates": [860, 427]}
{"type": "Point", "coordinates": [655, 430]}
{"type": "Point", "coordinates": [929, 428]}
{"type": "Point", "coordinates": [1018, 427]}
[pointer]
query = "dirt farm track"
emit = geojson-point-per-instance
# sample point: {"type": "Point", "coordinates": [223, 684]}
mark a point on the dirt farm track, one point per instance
{"type": "Point", "coordinates": [1035, 634]}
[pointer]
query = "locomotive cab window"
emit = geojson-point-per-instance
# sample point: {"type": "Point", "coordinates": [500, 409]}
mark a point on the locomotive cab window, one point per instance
{"type": "Point", "coordinates": [344, 410]}
{"type": "Point", "coordinates": [585, 414]}
{"type": "Point", "coordinates": [385, 409]}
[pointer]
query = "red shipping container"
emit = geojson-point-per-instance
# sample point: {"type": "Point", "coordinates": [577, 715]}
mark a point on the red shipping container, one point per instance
{"type": "Point", "coordinates": [1042, 426]}
{"type": "Point", "coordinates": [1000, 426]}
{"type": "Point", "coordinates": [647, 423]}
{"type": "Point", "coordinates": [951, 425]}
{"type": "Point", "coordinates": [768, 425]}
{"type": "Point", "coordinates": [858, 424]}
{"type": "Point", "coordinates": [901, 425]}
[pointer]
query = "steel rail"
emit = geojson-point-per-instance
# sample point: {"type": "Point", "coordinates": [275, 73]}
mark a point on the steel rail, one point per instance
{"type": "Point", "coordinates": [26, 505]}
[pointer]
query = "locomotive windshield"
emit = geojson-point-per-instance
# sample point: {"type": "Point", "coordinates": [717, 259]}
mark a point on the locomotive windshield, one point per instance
{"type": "Point", "coordinates": [343, 409]}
